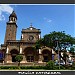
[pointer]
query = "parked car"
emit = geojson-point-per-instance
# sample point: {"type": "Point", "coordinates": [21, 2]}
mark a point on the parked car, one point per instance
{"type": "Point", "coordinates": [61, 62]}
{"type": "Point", "coordinates": [70, 63]}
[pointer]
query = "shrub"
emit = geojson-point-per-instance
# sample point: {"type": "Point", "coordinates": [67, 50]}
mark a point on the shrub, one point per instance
{"type": "Point", "coordinates": [73, 66]}
{"type": "Point", "coordinates": [32, 67]}
{"type": "Point", "coordinates": [8, 67]}
{"type": "Point", "coordinates": [50, 65]}
{"type": "Point", "coordinates": [19, 58]}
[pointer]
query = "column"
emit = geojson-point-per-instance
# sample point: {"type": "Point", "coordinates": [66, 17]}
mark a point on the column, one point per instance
{"type": "Point", "coordinates": [7, 49]}
{"type": "Point", "coordinates": [40, 56]}
{"type": "Point", "coordinates": [39, 36]}
{"type": "Point", "coordinates": [20, 50]}
{"type": "Point", "coordinates": [3, 61]}
{"type": "Point", "coordinates": [6, 56]}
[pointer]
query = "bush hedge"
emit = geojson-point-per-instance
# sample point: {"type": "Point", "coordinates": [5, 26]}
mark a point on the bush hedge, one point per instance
{"type": "Point", "coordinates": [39, 67]}
{"type": "Point", "coordinates": [30, 67]}
{"type": "Point", "coordinates": [22, 67]}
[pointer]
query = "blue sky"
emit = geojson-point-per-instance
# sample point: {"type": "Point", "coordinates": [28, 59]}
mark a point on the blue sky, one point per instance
{"type": "Point", "coordinates": [48, 18]}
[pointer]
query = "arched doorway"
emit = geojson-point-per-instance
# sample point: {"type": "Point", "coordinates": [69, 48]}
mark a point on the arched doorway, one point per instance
{"type": "Point", "coordinates": [14, 52]}
{"type": "Point", "coordinates": [29, 54]}
{"type": "Point", "coordinates": [46, 55]}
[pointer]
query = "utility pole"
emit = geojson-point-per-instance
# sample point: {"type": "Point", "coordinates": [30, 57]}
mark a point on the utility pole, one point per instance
{"type": "Point", "coordinates": [58, 52]}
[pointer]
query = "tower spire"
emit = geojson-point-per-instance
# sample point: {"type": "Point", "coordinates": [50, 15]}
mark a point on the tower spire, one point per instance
{"type": "Point", "coordinates": [13, 17]}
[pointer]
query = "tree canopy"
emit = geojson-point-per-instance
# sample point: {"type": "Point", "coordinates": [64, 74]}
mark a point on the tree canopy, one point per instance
{"type": "Point", "coordinates": [72, 50]}
{"type": "Point", "coordinates": [49, 40]}
{"type": "Point", "coordinates": [19, 59]}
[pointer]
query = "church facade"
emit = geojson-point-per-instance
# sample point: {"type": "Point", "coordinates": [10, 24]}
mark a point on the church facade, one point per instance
{"type": "Point", "coordinates": [24, 46]}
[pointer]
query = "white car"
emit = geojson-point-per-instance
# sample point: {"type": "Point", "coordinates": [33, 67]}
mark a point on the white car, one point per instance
{"type": "Point", "coordinates": [61, 63]}
{"type": "Point", "coordinates": [70, 63]}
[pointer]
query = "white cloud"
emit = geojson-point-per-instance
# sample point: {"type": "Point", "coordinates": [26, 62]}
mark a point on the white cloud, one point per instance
{"type": "Point", "coordinates": [5, 9]}
{"type": "Point", "coordinates": [47, 20]}
{"type": "Point", "coordinates": [2, 17]}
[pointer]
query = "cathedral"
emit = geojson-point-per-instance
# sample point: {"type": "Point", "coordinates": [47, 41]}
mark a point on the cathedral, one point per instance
{"type": "Point", "coordinates": [24, 46]}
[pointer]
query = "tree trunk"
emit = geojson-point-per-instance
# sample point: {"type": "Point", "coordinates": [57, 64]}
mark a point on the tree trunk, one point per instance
{"type": "Point", "coordinates": [18, 65]}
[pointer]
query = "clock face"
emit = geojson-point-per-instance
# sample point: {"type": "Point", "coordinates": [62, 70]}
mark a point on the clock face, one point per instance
{"type": "Point", "coordinates": [31, 37]}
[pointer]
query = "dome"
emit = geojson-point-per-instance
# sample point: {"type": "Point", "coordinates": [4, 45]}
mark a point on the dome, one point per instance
{"type": "Point", "coordinates": [13, 15]}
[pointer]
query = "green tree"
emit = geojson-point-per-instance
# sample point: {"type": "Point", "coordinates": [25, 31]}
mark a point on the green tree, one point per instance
{"type": "Point", "coordinates": [19, 58]}
{"type": "Point", "coordinates": [64, 41]}
{"type": "Point", "coordinates": [72, 50]}
{"type": "Point", "coordinates": [73, 66]}
{"type": "Point", "coordinates": [40, 43]}
{"type": "Point", "coordinates": [49, 39]}
{"type": "Point", "coordinates": [50, 65]}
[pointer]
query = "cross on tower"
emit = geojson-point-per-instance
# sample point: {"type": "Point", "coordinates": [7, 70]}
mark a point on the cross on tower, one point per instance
{"type": "Point", "coordinates": [30, 24]}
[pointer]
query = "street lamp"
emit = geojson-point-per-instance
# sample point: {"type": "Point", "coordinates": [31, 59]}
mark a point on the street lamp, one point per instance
{"type": "Point", "coordinates": [57, 41]}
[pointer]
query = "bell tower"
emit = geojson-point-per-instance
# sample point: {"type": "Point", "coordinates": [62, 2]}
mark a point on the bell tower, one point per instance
{"type": "Point", "coordinates": [11, 28]}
